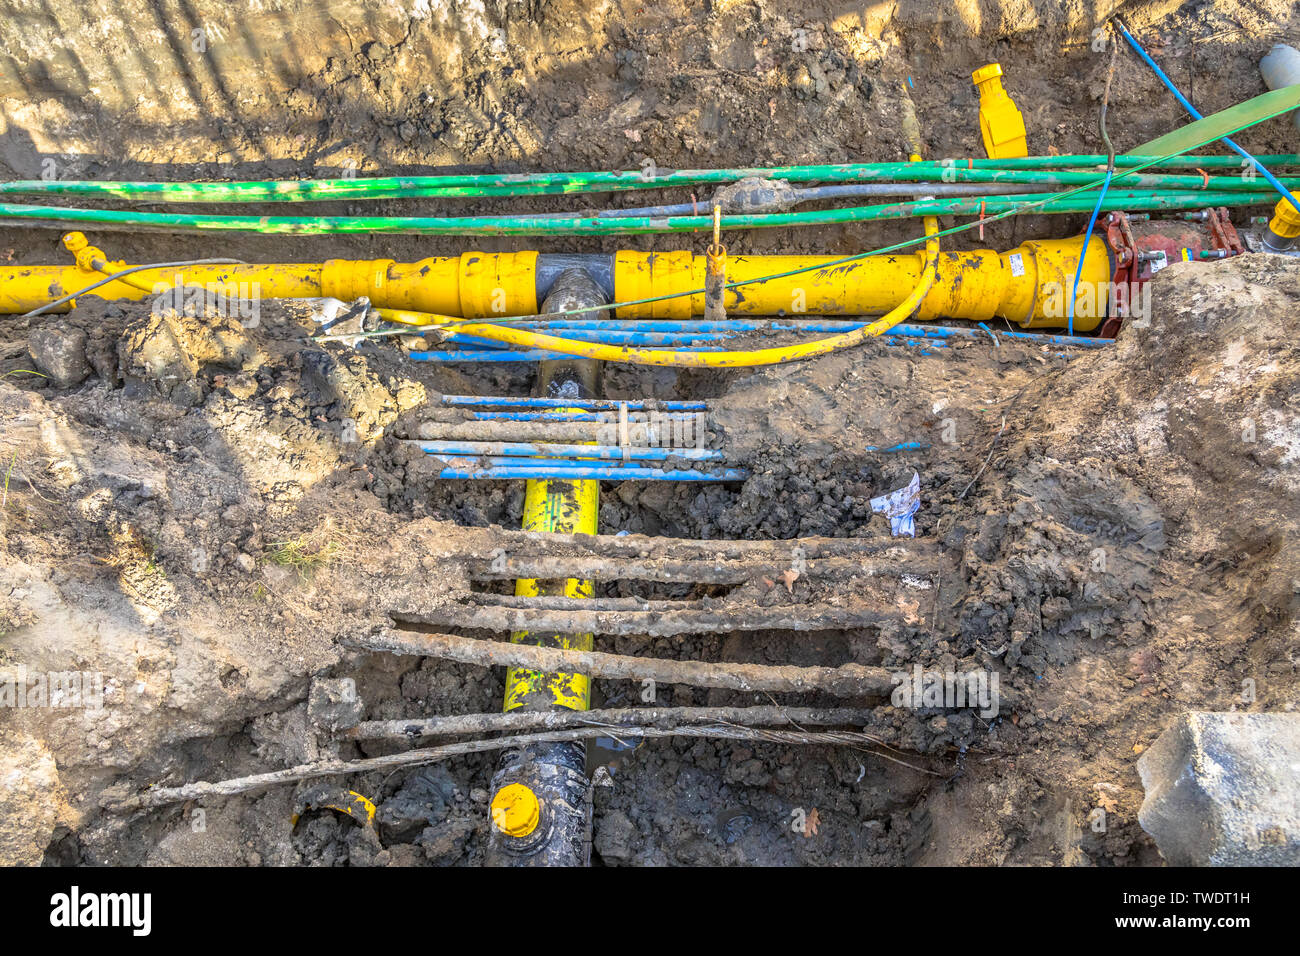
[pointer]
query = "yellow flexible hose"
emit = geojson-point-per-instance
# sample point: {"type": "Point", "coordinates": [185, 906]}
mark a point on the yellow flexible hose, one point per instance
{"type": "Point", "coordinates": [102, 267]}
{"type": "Point", "coordinates": [673, 357]}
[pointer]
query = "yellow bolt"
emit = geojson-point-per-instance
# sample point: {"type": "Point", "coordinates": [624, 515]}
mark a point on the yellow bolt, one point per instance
{"type": "Point", "coordinates": [516, 810]}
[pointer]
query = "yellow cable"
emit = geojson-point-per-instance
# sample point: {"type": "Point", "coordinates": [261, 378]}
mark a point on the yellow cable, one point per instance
{"type": "Point", "coordinates": [673, 357]}
{"type": "Point", "coordinates": [101, 266]}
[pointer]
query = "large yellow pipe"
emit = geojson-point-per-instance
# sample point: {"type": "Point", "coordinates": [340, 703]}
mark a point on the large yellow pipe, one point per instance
{"type": "Point", "coordinates": [1027, 285]}
{"type": "Point", "coordinates": [684, 358]}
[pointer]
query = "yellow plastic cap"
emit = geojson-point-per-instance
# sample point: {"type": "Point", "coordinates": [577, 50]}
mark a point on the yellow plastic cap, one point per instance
{"type": "Point", "coordinates": [515, 810]}
{"type": "Point", "coordinates": [1286, 221]}
{"type": "Point", "coordinates": [992, 71]}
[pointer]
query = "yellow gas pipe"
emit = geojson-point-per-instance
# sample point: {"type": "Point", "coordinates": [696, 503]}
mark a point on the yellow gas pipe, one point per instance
{"type": "Point", "coordinates": [554, 506]}
{"type": "Point", "coordinates": [1026, 285]}
{"type": "Point", "coordinates": [540, 794]}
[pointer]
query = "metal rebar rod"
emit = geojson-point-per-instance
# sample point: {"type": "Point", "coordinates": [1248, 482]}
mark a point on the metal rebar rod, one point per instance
{"type": "Point", "coordinates": [616, 718]}
{"type": "Point", "coordinates": [472, 542]}
{"type": "Point", "coordinates": [508, 567]}
{"type": "Point", "coordinates": [845, 681]}
{"type": "Point", "coordinates": [720, 620]}
{"type": "Point", "coordinates": [161, 796]}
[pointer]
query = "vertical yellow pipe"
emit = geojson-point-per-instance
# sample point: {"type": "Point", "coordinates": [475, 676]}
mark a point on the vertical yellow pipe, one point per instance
{"type": "Point", "coordinates": [568, 507]}
{"type": "Point", "coordinates": [541, 804]}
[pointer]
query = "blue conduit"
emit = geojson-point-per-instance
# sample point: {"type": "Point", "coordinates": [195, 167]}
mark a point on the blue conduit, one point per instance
{"type": "Point", "coordinates": [1169, 84]}
{"type": "Point", "coordinates": [514, 460]}
{"type": "Point", "coordinates": [559, 416]}
{"type": "Point", "coordinates": [609, 404]}
{"type": "Point", "coordinates": [901, 446]}
{"type": "Point", "coordinates": [695, 325]}
{"type": "Point", "coordinates": [564, 416]}
{"type": "Point", "coordinates": [791, 325]}
{"type": "Point", "coordinates": [557, 465]}
{"type": "Point", "coordinates": [688, 328]}
{"type": "Point", "coordinates": [536, 468]}
{"type": "Point", "coordinates": [936, 336]}
{"type": "Point", "coordinates": [537, 355]}
{"type": "Point", "coordinates": [608, 336]}
{"type": "Point", "coordinates": [562, 451]}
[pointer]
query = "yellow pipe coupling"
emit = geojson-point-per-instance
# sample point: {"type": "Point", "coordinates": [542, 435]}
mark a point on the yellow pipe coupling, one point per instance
{"type": "Point", "coordinates": [1284, 227]}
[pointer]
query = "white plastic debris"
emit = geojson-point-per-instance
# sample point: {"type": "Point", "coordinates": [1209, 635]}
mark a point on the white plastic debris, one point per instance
{"type": "Point", "coordinates": [341, 318]}
{"type": "Point", "coordinates": [900, 506]}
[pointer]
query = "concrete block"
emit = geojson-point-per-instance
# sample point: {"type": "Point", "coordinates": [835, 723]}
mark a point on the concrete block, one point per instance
{"type": "Point", "coordinates": [1223, 789]}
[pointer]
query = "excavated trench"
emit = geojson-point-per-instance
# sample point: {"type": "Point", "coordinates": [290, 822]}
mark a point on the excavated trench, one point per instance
{"type": "Point", "coordinates": [216, 509]}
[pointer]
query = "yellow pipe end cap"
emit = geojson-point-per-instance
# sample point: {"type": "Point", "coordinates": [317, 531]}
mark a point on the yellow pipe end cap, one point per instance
{"type": "Point", "coordinates": [1002, 126]}
{"type": "Point", "coordinates": [1286, 221]}
{"type": "Point", "coordinates": [516, 810]}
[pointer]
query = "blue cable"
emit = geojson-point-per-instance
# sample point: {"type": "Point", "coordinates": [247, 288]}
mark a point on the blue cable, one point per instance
{"type": "Point", "coordinates": [1087, 236]}
{"type": "Point", "coordinates": [1272, 180]}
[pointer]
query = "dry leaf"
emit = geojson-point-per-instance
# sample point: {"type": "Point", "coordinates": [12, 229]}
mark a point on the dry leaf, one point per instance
{"type": "Point", "coordinates": [789, 577]}
{"type": "Point", "coordinates": [814, 820]}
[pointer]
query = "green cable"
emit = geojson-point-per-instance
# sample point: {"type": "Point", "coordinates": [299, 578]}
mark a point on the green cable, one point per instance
{"type": "Point", "coordinates": [520, 184]}
{"type": "Point", "coordinates": [1055, 203]}
{"type": "Point", "coordinates": [1020, 209]}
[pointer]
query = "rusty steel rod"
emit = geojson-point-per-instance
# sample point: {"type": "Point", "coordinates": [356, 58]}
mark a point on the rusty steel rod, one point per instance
{"type": "Point", "coordinates": [846, 680]}
{"type": "Point", "coordinates": [614, 719]}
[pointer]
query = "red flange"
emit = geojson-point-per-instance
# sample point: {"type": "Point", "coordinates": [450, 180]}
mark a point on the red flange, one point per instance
{"type": "Point", "coordinates": [1140, 248]}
